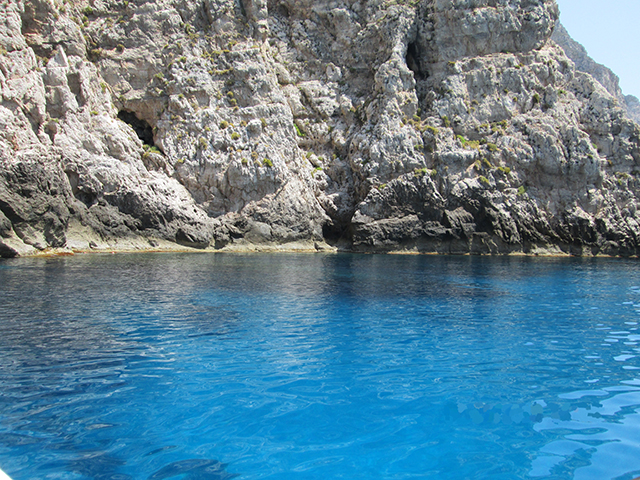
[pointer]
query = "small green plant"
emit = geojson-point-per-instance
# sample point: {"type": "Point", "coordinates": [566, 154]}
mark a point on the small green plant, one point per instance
{"type": "Point", "coordinates": [244, 161]}
{"type": "Point", "coordinates": [203, 143]}
{"type": "Point", "coordinates": [484, 180]}
{"type": "Point", "coordinates": [224, 124]}
{"type": "Point", "coordinates": [263, 122]}
{"type": "Point", "coordinates": [87, 11]}
{"type": "Point", "coordinates": [446, 122]}
{"type": "Point", "coordinates": [462, 140]}
{"type": "Point", "coordinates": [522, 190]}
{"type": "Point", "coordinates": [120, 48]}
{"type": "Point", "coordinates": [419, 172]}
{"type": "Point", "coordinates": [433, 130]}
{"type": "Point", "coordinates": [536, 99]}
{"type": "Point", "coordinates": [299, 132]}
{"type": "Point", "coordinates": [267, 163]}
{"type": "Point", "coordinates": [505, 170]}
{"type": "Point", "coordinates": [104, 87]}
{"type": "Point", "coordinates": [95, 54]}
{"type": "Point", "coordinates": [499, 127]}
{"type": "Point", "coordinates": [94, 112]}
{"type": "Point", "coordinates": [254, 155]}
{"type": "Point", "coordinates": [235, 136]}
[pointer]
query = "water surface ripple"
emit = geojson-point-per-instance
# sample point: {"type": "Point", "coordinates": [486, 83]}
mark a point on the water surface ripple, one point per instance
{"type": "Point", "coordinates": [319, 367]}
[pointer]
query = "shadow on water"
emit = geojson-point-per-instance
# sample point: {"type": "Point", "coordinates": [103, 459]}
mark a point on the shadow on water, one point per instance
{"type": "Point", "coordinates": [194, 469]}
{"type": "Point", "coordinates": [96, 465]}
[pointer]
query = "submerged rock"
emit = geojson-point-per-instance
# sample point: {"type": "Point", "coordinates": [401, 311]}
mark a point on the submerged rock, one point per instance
{"type": "Point", "coordinates": [450, 127]}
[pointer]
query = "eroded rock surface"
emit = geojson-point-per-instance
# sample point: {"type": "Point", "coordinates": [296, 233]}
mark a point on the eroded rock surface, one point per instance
{"type": "Point", "coordinates": [449, 126]}
{"type": "Point", "coordinates": [584, 63]}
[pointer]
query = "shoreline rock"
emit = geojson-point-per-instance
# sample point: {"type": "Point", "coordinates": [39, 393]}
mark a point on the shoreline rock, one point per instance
{"type": "Point", "coordinates": [435, 127]}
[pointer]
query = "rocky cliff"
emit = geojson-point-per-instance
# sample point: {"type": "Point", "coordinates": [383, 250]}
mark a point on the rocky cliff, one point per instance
{"type": "Point", "coordinates": [584, 63]}
{"type": "Point", "coordinates": [449, 126]}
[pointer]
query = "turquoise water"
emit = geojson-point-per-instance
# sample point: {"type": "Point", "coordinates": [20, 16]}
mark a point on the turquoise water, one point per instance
{"type": "Point", "coordinates": [324, 367]}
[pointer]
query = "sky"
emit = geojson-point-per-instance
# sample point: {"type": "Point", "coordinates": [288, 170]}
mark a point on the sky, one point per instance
{"type": "Point", "coordinates": [610, 31]}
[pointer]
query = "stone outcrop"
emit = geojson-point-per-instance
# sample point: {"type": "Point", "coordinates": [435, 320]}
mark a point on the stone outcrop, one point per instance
{"type": "Point", "coordinates": [450, 126]}
{"type": "Point", "coordinates": [584, 63]}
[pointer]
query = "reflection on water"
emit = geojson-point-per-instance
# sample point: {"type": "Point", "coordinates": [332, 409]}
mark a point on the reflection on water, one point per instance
{"type": "Point", "coordinates": [315, 367]}
{"type": "Point", "coordinates": [602, 427]}
{"type": "Point", "coordinates": [607, 435]}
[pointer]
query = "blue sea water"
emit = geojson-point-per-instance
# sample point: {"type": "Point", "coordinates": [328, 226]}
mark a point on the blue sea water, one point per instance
{"type": "Point", "coordinates": [217, 366]}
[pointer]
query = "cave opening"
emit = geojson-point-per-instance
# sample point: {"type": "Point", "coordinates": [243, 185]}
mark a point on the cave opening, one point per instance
{"type": "Point", "coordinates": [141, 127]}
{"type": "Point", "coordinates": [336, 232]}
{"type": "Point", "coordinates": [283, 11]}
{"type": "Point", "coordinates": [413, 60]}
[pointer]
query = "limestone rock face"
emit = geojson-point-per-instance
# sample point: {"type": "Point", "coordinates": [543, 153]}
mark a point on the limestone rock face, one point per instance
{"type": "Point", "coordinates": [449, 126]}
{"type": "Point", "coordinates": [584, 63]}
